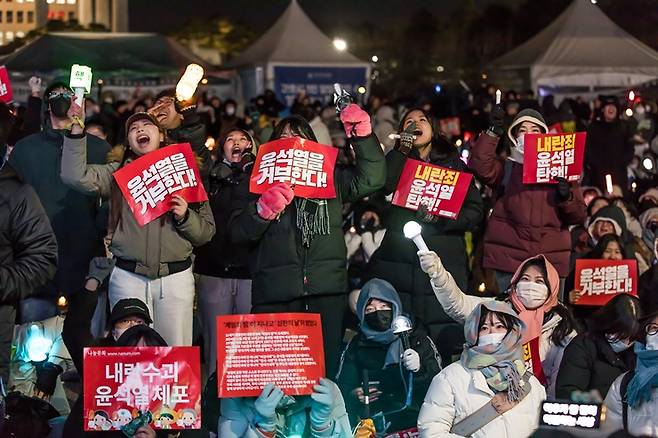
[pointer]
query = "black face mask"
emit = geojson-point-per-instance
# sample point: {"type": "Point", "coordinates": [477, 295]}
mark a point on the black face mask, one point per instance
{"type": "Point", "coordinates": [59, 106]}
{"type": "Point", "coordinates": [379, 320]}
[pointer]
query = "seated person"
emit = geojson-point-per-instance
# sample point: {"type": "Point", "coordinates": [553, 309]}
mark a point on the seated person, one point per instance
{"type": "Point", "coordinates": [380, 351]}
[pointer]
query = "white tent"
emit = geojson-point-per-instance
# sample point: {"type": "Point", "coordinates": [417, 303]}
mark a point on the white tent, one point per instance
{"type": "Point", "coordinates": [582, 50]}
{"type": "Point", "coordinates": [295, 46]}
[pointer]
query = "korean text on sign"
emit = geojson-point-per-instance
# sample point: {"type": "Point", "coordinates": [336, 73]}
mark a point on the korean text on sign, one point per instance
{"type": "Point", "coordinates": [281, 348]}
{"type": "Point", "coordinates": [149, 182]}
{"type": "Point", "coordinates": [305, 165]}
{"type": "Point", "coordinates": [440, 190]}
{"type": "Point", "coordinates": [550, 156]}
{"type": "Point", "coordinates": [162, 380]}
{"type": "Point", "coordinates": [600, 280]}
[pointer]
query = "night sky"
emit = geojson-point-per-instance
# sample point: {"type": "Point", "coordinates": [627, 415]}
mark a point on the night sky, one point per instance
{"type": "Point", "coordinates": [259, 14]}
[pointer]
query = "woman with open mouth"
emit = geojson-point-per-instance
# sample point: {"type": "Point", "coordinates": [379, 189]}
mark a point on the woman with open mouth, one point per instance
{"type": "Point", "coordinates": [152, 261]}
{"type": "Point", "coordinates": [224, 281]}
{"type": "Point", "coordinates": [395, 261]}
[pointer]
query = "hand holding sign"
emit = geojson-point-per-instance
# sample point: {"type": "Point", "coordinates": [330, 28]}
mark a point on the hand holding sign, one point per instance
{"type": "Point", "coordinates": [178, 207]}
{"type": "Point", "coordinates": [272, 203]}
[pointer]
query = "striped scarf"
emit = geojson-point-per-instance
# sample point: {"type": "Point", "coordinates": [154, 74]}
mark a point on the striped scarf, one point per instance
{"type": "Point", "coordinates": [501, 363]}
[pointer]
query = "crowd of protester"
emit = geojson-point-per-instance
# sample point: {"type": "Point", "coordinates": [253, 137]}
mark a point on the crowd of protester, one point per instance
{"type": "Point", "coordinates": [498, 276]}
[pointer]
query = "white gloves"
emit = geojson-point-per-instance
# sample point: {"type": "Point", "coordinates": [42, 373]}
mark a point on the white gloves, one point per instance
{"type": "Point", "coordinates": [411, 360]}
{"type": "Point", "coordinates": [430, 263]}
{"type": "Point", "coordinates": [35, 85]}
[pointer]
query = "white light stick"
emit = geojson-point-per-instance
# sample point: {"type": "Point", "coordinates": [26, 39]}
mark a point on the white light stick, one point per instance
{"type": "Point", "coordinates": [608, 183]}
{"type": "Point", "coordinates": [394, 136]}
{"type": "Point", "coordinates": [412, 231]}
{"type": "Point", "coordinates": [499, 94]}
{"type": "Point", "coordinates": [188, 83]}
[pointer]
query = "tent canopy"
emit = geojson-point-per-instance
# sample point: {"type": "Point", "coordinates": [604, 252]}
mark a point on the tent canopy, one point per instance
{"type": "Point", "coordinates": [110, 54]}
{"type": "Point", "coordinates": [294, 39]}
{"type": "Point", "coordinates": [582, 48]}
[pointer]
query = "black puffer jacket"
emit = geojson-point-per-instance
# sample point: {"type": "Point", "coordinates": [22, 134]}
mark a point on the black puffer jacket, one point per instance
{"type": "Point", "coordinates": [282, 268]}
{"type": "Point", "coordinates": [220, 257]}
{"type": "Point", "coordinates": [28, 253]}
{"type": "Point", "coordinates": [396, 261]}
{"type": "Point", "coordinates": [590, 363]}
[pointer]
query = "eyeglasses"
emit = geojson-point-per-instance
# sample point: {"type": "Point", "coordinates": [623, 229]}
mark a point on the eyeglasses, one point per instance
{"type": "Point", "coordinates": [651, 329]}
{"type": "Point", "coordinates": [64, 94]}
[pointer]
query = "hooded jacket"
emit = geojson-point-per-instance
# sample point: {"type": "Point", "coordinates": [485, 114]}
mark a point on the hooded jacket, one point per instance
{"type": "Point", "coordinates": [28, 253]}
{"type": "Point", "coordinates": [641, 420]}
{"type": "Point", "coordinates": [369, 351]}
{"type": "Point", "coordinates": [152, 246]}
{"type": "Point", "coordinates": [459, 391]}
{"type": "Point", "coordinates": [615, 215]}
{"type": "Point", "coordinates": [527, 219]}
{"type": "Point", "coordinates": [458, 306]}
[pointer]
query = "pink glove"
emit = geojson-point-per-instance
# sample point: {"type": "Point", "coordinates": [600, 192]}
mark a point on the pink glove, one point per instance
{"type": "Point", "coordinates": [274, 200]}
{"type": "Point", "coordinates": [355, 121]}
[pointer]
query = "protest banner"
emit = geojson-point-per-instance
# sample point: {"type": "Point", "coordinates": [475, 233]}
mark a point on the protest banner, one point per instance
{"type": "Point", "coordinates": [304, 164]}
{"type": "Point", "coordinates": [149, 182]}
{"type": "Point", "coordinates": [532, 360]}
{"type": "Point", "coordinates": [6, 95]}
{"type": "Point", "coordinates": [281, 348]}
{"type": "Point", "coordinates": [600, 280]}
{"type": "Point", "coordinates": [441, 190]}
{"type": "Point", "coordinates": [547, 156]}
{"type": "Point", "coordinates": [120, 382]}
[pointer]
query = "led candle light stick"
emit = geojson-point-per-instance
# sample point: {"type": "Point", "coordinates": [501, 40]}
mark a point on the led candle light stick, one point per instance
{"type": "Point", "coordinates": [608, 183]}
{"type": "Point", "coordinates": [499, 94]}
{"type": "Point", "coordinates": [412, 231]}
{"type": "Point", "coordinates": [188, 83]}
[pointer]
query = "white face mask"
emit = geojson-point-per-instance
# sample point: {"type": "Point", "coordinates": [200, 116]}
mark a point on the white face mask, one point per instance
{"type": "Point", "coordinates": [520, 145]}
{"type": "Point", "coordinates": [652, 342]}
{"type": "Point", "coordinates": [491, 339]}
{"type": "Point", "coordinates": [619, 345]}
{"type": "Point", "coordinates": [531, 294]}
{"type": "Point", "coordinates": [116, 333]}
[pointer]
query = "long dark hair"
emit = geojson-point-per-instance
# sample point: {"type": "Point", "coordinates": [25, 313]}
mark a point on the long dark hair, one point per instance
{"type": "Point", "coordinates": [440, 144]}
{"type": "Point", "coordinates": [298, 126]}
{"type": "Point", "coordinates": [619, 317]}
{"type": "Point", "coordinates": [602, 245]}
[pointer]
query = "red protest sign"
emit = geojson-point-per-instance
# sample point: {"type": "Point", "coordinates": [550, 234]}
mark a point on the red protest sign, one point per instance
{"type": "Point", "coordinates": [6, 94]}
{"type": "Point", "coordinates": [532, 359]}
{"type": "Point", "coordinates": [306, 165]}
{"type": "Point", "coordinates": [441, 190]}
{"type": "Point", "coordinates": [149, 182]}
{"type": "Point", "coordinates": [546, 156]}
{"type": "Point", "coordinates": [281, 348]}
{"type": "Point", "coordinates": [121, 381]}
{"type": "Point", "coordinates": [600, 280]}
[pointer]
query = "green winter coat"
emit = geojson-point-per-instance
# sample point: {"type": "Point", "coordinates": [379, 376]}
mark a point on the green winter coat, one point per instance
{"type": "Point", "coordinates": [282, 268]}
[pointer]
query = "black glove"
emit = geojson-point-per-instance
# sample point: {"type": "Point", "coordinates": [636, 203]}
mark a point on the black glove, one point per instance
{"type": "Point", "coordinates": [423, 215]}
{"type": "Point", "coordinates": [562, 190]}
{"type": "Point", "coordinates": [100, 268]}
{"type": "Point", "coordinates": [407, 139]}
{"type": "Point", "coordinates": [496, 121]}
{"type": "Point", "coordinates": [47, 373]}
